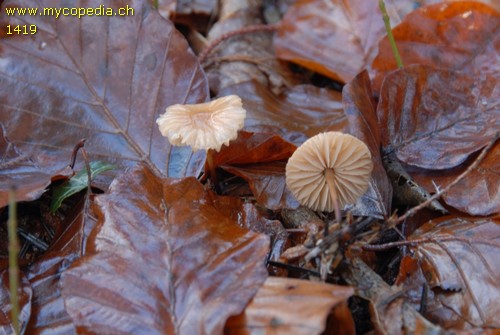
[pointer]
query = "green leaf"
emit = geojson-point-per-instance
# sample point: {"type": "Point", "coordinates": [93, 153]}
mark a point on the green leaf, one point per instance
{"type": "Point", "coordinates": [76, 183]}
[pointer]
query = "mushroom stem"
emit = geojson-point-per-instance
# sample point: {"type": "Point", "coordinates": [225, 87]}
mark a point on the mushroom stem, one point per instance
{"type": "Point", "coordinates": [211, 169]}
{"type": "Point", "coordinates": [329, 175]}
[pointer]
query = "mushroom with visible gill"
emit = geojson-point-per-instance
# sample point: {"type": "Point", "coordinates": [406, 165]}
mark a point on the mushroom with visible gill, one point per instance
{"type": "Point", "coordinates": [205, 126]}
{"type": "Point", "coordinates": [329, 171]}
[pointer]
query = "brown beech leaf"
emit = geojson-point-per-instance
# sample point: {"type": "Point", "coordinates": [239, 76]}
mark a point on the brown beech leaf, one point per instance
{"type": "Point", "coordinates": [24, 295]}
{"type": "Point", "coordinates": [477, 194]}
{"type": "Point", "coordinates": [19, 172]}
{"type": "Point", "coordinates": [459, 259]}
{"type": "Point", "coordinates": [335, 38]}
{"type": "Point", "coordinates": [390, 312]}
{"type": "Point", "coordinates": [289, 306]}
{"type": "Point", "coordinates": [48, 313]}
{"type": "Point", "coordinates": [462, 35]}
{"type": "Point", "coordinates": [104, 78]}
{"type": "Point", "coordinates": [251, 148]}
{"type": "Point", "coordinates": [267, 182]}
{"type": "Point", "coordinates": [163, 260]}
{"type": "Point", "coordinates": [260, 159]}
{"type": "Point", "coordinates": [359, 108]}
{"type": "Point", "coordinates": [298, 113]}
{"type": "Point", "coordinates": [435, 119]}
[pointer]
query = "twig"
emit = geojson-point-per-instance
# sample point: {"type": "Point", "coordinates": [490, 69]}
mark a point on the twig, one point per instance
{"type": "Point", "coordinates": [13, 266]}
{"type": "Point", "coordinates": [246, 30]}
{"type": "Point", "coordinates": [388, 29]}
{"type": "Point", "coordinates": [424, 204]}
{"type": "Point", "coordinates": [390, 245]}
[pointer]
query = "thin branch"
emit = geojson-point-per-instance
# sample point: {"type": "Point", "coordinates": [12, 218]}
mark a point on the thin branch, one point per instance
{"type": "Point", "coordinates": [412, 243]}
{"type": "Point", "coordinates": [424, 204]}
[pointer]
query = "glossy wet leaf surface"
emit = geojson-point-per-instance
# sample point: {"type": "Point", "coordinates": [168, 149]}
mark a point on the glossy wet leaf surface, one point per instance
{"type": "Point", "coordinates": [458, 257]}
{"type": "Point", "coordinates": [108, 88]}
{"type": "Point", "coordinates": [184, 267]}
{"type": "Point", "coordinates": [461, 35]}
{"type": "Point", "coordinates": [289, 306]}
{"type": "Point", "coordinates": [435, 119]}
{"type": "Point", "coordinates": [160, 255]}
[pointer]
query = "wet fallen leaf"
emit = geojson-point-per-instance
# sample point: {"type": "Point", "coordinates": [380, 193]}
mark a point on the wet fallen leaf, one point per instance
{"type": "Point", "coordinates": [477, 194]}
{"type": "Point", "coordinates": [109, 87]}
{"type": "Point", "coordinates": [18, 171]}
{"type": "Point", "coordinates": [163, 260]}
{"type": "Point", "coordinates": [435, 119]}
{"type": "Point", "coordinates": [335, 38]}
{"type": "Point", "coordinates": [298, 113]}
{"type": "Point", "coordinates": [260, 159]}
{"type": "Point", "coordinates": [289, 306]}
{"type": "Point", "coordinates": [390, 313]}
{"type": "Point", "coordinates": [460, 35]}
{"type": "Point", "coordinates": [458, 258]}
{"type": "Point", "coordinates": [24, 295]}
{"type": "Point", "coordinates": [48, 311]}
{"type": "Point", "coordinates": [360, 109]}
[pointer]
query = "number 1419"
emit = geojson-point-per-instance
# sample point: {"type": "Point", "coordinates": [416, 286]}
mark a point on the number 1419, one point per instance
{"type": "Point", "coordinates": [23, 29]}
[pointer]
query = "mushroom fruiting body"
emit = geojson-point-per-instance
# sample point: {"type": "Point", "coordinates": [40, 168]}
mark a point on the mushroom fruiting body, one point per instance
{"type": "Point", "coordinates": [328, 171]}
{"type": "Point", "coordinates": [203, 126]}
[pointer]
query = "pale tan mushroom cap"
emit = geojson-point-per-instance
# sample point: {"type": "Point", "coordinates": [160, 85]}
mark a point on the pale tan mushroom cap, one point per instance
{"type": "Point", "coordinates": [350, 160]}
{"type": "Point", "coordinates": [203, 126]}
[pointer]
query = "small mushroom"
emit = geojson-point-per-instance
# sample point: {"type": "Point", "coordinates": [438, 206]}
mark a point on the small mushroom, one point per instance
{"type": "Point", "coordinates": [329, 171]}
{"type": "Point", "coordinates": [206, 126]}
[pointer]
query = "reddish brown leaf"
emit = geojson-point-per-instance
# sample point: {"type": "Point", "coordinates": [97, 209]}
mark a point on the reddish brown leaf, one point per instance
{"type": "Point", "coordinates": [335, 38]}
{"type": "Point", "coordinates": [454, 35]}
{"type": "Point", "coordinates": [48, 311]}
{"type": "Point", "coordinates": [24, 295]}
{"type": "Point", "coordinates": [163, 260]}
{"type": "Point", "coordinates": [251, 148]}
{"type": "Point", "coordinates": [459, 259]}
{"type": "Point", "coordinates": [102, 78]}
{"type": "Point", "coordinates": [477, 194]}
{"type": "Point", "coordinates": [360, 109]}
{"type": "Point", "coordinates": [267, 182]}
{"type": "Point", "coordinates": [289, 306]}
{"type": "Point", "coordinates": [17, 170]}
{"type": "Point", "coordinates": [435, 119]}
{"type": "Point", "coordinates": [297, 114]}
{"type": "Point", "coordinates": [390, 313]}
{"type": "Point", "coordinates": [260, 160]}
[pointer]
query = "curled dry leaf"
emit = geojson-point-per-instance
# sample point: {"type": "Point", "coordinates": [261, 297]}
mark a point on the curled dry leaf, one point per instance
{"type": "Point", "coordinates": [455, 35]}
{"type": "Point", "coordinates": [105, 79]}
{"type": "Point", "coordinates": [163, 260]}
{"type": "Point", "coordinates": [435, 119]}
{"type": "Point", "coordinates": [290, 306]}
{"type": "Point", "coordinates": [459, 259]}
